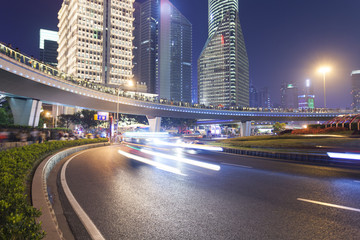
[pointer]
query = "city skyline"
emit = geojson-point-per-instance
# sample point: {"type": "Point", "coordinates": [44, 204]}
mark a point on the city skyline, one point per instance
{"type": "Point", "coordinates": [285, 41]}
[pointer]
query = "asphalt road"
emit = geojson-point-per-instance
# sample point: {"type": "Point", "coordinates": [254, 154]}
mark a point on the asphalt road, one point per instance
{"type": "Point", "coordinates": [248, 198]}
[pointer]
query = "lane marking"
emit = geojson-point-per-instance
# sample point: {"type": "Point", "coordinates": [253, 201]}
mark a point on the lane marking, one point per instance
{"type": "Point", "coordinates": [235, 165]}
{"type": "Point", "coordinates": [330, 205]}
{"type": "Point", "coordinates": [84, 218]}
{"type": "Point", "coordinates": [357, 181]}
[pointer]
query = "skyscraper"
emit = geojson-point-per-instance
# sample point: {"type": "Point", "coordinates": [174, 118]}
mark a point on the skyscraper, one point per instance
{"type": "Point", "coordinates": [48, 46]}
{"type": "Point", "coordinates": [307, 98]}
{"type": "Point", "coordinates": [223, 67]}
{"type": "Point", "coordinates": [289, 96]}
{"type": "Point", "coordinates": [253, 97]}
{"type": "Point", "coordinates": [136, 42]}
{"type": "Point", "coordinates": [149, 43]}
{"type": "Point", "coordinates": [264, 98]}
{"type": "Point", "coordinates": [175, 54]}
{"type": "Point", "coordinates": [95, 40]}
{"type": "Point", "coordinates": [355, 91]}
{"type": "Point", "coordinates": [165, 50]}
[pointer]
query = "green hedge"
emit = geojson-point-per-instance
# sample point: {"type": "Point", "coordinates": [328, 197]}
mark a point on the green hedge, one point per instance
{"type": "Point", "coordinates": [17, 216]}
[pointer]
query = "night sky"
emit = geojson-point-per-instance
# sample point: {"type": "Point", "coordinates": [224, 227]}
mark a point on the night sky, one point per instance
{"type": "Point", "coordinates": [286, 40]}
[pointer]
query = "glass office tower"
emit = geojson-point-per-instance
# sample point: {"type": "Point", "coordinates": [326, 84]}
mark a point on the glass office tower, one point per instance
{"type": "Point", "coordinates": [48, 46]}
{"type": "Point", "coordinates": [165, 50]}
{"type": "Point", "coordinates": [175, 51]}
{"type": "Point", "coordinates": [223, 67]}
{"type": "Point", "coordinates": [96, 40]}
{"type": "Point", "coordinates": [149, 43]}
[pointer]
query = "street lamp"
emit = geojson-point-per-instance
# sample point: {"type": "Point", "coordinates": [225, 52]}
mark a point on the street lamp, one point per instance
{"type": "Point", "coordinates": [324, 70]}
{"type": "Point", "coordinates": [130, 84]}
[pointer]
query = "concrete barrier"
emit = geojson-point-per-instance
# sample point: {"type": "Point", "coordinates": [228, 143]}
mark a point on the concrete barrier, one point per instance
{"type": "Point", "coordinates": [297, 157]}
{"type": "Point", "coordinates": [40, 194]}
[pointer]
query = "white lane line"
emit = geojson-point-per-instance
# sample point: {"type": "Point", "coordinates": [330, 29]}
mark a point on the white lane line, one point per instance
{"type": "Point", "coordinates": [330, 205]}
{"type": "Point", "coordinates": [236, 165]}
{"type": "Point", "coordinates": [84, 218]}
{"type": "Point", "coordinates": [357, 181]}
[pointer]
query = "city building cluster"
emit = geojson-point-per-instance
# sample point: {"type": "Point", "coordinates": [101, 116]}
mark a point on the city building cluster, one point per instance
{"type": "Point", "coordinates": [146, 46]}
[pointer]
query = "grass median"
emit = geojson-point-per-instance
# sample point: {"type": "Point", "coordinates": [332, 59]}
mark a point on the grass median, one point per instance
{"type": "Point", "coordinates": [17, 215]}
{"type": "Point", "coordinates": [286, 143]}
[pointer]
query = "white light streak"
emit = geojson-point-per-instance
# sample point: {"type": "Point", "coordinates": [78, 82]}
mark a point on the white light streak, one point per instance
{"type": "Point", "coordinates": [330, 205]}
{"type": "Point", "coordinates": [184, 160]}
{"type": "Point", "coordinates": [147, 134]}
{"type": "Point", "coordinates": [152, 163]}
{"type": "Point", "coordinates": [194, 146]}
{"type": "Point", "coordinates": [352, 156]}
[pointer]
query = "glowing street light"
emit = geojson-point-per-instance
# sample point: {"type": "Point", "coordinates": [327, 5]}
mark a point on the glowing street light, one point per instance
{"type": "Point", "coordinates": [324, 70]}
{"type": "Point", "coordinates": [130, 83]}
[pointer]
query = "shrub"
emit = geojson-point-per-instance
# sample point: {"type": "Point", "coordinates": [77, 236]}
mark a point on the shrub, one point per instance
{"type": "Point", "coordinates": [319, 130]}
{"type": "Point", "coordinates": [17, 216]}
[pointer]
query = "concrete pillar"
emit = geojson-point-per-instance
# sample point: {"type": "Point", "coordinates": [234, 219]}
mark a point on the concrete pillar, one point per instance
{"type": "Point", "coordinates": [155, 123]}
{"type": "Point", "coordinates": [26, 112]}
{"type": "Point", "coordinates": [245, 129]}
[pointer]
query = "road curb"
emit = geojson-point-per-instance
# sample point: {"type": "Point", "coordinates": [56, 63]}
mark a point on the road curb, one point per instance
{"type": "Point", "coordinates": [40, 193]}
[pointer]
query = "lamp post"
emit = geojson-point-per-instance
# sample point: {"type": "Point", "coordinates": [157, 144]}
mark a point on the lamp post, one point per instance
{"type": "Point", "coordinates": [323, 71]}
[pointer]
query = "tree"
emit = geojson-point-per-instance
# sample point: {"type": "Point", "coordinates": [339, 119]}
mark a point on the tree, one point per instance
{"type": "Point", "coordinates": [181, 123]}
{"type": "Point", "coordinates": [129, 119]}
{"type": "Point", "coordinates": [86, 119]}
{"type": "Point", "coordinates": [6, 117]}
{"type": "Point", "coordinates": [65, 120]}
{"type": "Point", "coordinates": [278, 127]}
{"type": "Point", "coordinates": [44, 119]}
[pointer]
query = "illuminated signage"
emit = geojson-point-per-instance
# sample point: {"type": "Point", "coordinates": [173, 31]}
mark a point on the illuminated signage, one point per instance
{"type": "Point", "coordinates": [311, 103]}
{"type": "Point", "coordinates": [102, 116]}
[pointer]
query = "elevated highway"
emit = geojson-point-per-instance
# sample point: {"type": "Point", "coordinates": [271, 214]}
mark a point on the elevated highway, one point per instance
{"type": "Point", "coordinates": [30, 83]}
{"type": "Point", "coordinates": [20, 80]}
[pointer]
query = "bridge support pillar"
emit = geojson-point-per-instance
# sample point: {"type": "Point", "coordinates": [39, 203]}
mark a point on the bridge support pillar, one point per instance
{"type": "Point", "coordinates": [245, 129]}
{"type": "Point", "coordinates": [26, 112]}
{"type": "Point", "coordinates": [155, 123]}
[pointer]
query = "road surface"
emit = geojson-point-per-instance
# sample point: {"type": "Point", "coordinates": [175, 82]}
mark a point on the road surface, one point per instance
{"type": "Point", "coordinates": [157, 197]}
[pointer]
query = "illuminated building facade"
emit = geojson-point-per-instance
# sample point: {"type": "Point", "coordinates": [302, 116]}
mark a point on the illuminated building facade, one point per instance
{"type": "Point", "coordinates": [223, 67]}
{"type": "Point", "coordinates": [148, 43]}
{"type": "Point", "coordinates": [48, 46]}
{"type": "Point", "coordinates": [136, 42]}
{"type": "Point", "coordinates": [307, 99]}
{"type": "Point", "coordinates": [96, 40]}
{"type": "Point", "coordinates": [165, 50]}
{"type": "Point", "coordinates": [355, 91]}
{"type": "Point", "coordinates": [217, 11]}
{"type": "Point", "coordinates": [175, 54]}
{"type": "Point", "coordinates": [289, 96]}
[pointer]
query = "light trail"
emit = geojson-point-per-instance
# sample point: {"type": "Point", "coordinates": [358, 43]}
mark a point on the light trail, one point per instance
{"type": "Point", "coordinates": [351, 156]}
{"type": "Point", "coordinates": [186, 145]}
{"type": "Point", "coordinates": [210, 166]}
{"type": "Point", "coordinates": [152, 163]}
{"type": "Point", "coordinates": [329, 205]}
